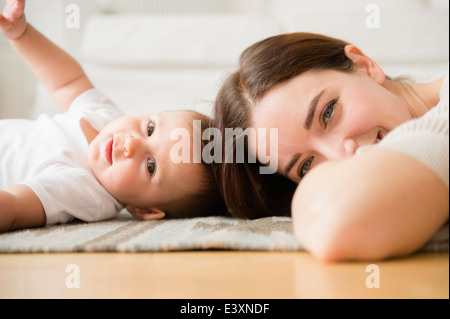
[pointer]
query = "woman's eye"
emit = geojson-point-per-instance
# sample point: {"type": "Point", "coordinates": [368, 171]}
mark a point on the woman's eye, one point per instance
{"type": "Point", "coordinates": [150, 128]}
{"type": "Point", "coordinates": [151, 166]}
{"type": "Point", "coordinates": [328, 112]}
{"type": "Point", "coordinates": [305, 167]}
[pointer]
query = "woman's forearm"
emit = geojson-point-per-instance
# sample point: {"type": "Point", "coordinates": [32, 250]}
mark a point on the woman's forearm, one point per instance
{"type": "Point", "coordinates": [375, 205]}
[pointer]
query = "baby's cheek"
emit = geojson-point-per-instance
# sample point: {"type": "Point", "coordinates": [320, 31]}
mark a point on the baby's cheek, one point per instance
{"type": "Point", "coordinates": [120, 183]}
{"type": "Point", "coordinates": [125, 179]}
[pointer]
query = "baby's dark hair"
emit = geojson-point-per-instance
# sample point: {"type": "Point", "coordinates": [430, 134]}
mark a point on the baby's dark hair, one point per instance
{"type": "Point", "coordinates": [206, 200]}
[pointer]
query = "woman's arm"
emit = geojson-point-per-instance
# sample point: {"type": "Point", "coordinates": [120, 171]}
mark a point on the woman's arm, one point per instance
{"type": "Point", "coordinates": [61, 75]}
{"type": "Point", "coordinates": [374, 205]}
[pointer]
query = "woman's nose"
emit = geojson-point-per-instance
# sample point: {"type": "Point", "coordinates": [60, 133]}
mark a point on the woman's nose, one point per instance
{"type": "Point", "coordinates": [349, 147]}
{"type": "Point", "coordinates": [339, 150]}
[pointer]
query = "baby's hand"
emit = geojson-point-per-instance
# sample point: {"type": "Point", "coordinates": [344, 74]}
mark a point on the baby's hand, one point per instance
{"type": "Point", "coordinates": [12, 22]}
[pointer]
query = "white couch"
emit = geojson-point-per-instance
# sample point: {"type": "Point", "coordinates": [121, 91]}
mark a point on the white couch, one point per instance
{"type": "Point", "coordinates": [163, 59]}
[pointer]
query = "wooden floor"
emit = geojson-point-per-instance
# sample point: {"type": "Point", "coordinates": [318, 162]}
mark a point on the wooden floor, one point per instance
{"type": "Point", "coordinates": [219, 274]}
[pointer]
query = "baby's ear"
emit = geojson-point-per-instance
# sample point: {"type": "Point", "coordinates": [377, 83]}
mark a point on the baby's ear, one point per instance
{"type": "Point", "coordinates": [146, 213]}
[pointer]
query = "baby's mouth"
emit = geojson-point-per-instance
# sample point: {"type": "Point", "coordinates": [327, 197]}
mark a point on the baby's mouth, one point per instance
{"type": "Point", "coordinates": [108, 151]}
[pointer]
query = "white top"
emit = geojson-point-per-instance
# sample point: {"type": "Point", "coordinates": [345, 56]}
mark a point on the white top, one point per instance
{"type": "Point", "coordinates": [50, 155]}
{"type": "Point", "coordinates": [427, 140]}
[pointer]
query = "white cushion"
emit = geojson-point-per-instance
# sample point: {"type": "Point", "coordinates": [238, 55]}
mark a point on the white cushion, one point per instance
{"type": "Point", "coordinates": [198, 40]}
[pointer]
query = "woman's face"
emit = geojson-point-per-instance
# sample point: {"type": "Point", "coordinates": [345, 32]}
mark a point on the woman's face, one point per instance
{"type": "Point", "coordinates": [327, 115]}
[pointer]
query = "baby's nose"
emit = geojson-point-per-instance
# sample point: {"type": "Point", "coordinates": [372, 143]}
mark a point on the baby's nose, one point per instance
{"type": "Point", "coordinates": [129, 146]}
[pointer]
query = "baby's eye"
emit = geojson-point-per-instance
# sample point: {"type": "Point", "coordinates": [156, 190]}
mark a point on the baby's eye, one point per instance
{"type": "Point", "coordinates": [305, 167]}
{"type": "Point", "coordinates": [150, 128]}
{"type": "Point", "coordinates": [151, 166]}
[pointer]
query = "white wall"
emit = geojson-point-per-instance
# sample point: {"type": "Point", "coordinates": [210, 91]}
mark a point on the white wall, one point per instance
{"type": "Point", "coordinates": [412, 36]}
{"type": "Point", "coordinates": [17, 83]}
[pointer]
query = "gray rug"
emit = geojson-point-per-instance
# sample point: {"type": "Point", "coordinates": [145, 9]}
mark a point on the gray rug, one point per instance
{"type": "Point", "coordinates": [124, 234]}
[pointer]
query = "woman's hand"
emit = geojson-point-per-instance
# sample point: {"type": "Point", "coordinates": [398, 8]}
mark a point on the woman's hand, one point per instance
{"type": "Point", "coordinates": [12, 22]}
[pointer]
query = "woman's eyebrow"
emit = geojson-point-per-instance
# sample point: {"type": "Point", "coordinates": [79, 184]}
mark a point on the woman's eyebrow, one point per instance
{"type": "Point", "coordinates": [292, 163]}
{"type": "Point", "coordinates": [312, 110]}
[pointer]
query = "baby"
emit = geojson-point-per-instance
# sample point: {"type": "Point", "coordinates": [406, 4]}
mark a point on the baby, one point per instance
{"type": "Point", "coordinates": [91, 161]}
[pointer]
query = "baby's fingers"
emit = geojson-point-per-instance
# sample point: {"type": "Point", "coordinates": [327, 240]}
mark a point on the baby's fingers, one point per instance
{"type": "Point", "coordinates": [12, 30]}
{"type": "Point", "coordinates": [19, 9]}
{"type": "Point", "coordinates": [4, 23]}
{"type": "Point", "coordinates": [14, 9]}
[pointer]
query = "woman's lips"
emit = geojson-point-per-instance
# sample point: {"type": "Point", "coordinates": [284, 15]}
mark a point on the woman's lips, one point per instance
{"type": "Point", "coordinates": [108, 151]}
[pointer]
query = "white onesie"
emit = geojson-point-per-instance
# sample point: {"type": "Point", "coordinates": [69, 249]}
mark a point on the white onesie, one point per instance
{"type": "Point", "coordinates": [50, 155]}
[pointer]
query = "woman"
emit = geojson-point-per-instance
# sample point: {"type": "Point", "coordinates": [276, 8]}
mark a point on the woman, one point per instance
{"type": "Point", "coordinates": [383, 190]}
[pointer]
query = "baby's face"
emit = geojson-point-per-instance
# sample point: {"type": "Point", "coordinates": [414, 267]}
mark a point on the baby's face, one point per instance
{"type": "Point", "coordinates": [131, 158]}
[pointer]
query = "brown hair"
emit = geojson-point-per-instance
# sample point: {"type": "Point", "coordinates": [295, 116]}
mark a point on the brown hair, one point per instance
{"type": "Point", "coordinates": [263, 66]}
{"type": "Point", "coordinates": [204, 199]}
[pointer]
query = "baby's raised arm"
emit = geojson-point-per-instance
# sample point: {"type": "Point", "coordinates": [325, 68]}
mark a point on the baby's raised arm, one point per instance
{"type": "Point", "coordinates": [61, 75]}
